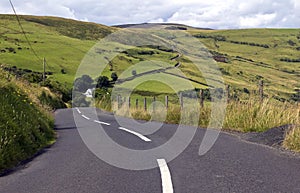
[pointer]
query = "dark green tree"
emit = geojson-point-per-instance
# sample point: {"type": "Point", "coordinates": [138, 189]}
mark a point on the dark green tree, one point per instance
{"type": "Point", "coordinates": [102, 82]}
{"type": "Point", "coordinates": [83, 83]}
{"type": "Point", "coordinates": [114, 76]}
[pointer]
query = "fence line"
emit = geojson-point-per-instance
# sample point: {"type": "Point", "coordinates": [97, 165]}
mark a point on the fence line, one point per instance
{"type": "Point", "coordinates": [201, 98]}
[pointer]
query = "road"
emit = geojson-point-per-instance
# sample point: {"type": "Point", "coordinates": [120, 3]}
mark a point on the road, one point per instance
{"type": "Point", "coordinates": [232, 165]}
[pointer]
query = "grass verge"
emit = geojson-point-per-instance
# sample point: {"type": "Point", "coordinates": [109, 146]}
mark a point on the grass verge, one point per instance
{"type": "Point", "coordinates": [292, 139]}
{"type": "Point", "coordinates": [250, 115]}
{"type": "Point", "coordinates": [25, 126]}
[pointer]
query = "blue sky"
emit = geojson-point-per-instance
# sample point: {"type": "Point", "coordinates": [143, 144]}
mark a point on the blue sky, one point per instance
{"type": "Point", "coordinates": [217, 14]}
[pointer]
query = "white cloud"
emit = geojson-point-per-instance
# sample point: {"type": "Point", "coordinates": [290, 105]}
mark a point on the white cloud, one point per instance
{"type": "Point", "coordinates": [201, 13]}
{"type": "Point", "coordinates": [257, 20]}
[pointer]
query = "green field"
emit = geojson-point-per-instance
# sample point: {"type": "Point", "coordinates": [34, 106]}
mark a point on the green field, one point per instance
{"type": "Point", "coordinates": [52, 38]}
{"type": "Point", "coordinates": [251, 54]}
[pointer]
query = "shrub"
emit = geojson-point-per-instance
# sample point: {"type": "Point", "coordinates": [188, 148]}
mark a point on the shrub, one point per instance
{"type": "Point", "coordinates": [102, 82]}
{"type": "Point", "coordinates": [53, 102]}
{"type": "Point", "coordinates": [114, 76]}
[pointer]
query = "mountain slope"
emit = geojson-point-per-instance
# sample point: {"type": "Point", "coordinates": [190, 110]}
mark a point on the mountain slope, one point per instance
{"type": "Point", "coordinates": [244, 56]}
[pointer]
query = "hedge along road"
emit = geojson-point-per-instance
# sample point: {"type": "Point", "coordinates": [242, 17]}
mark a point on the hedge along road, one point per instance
{"type": "Point", "coordinates": [232, 165]}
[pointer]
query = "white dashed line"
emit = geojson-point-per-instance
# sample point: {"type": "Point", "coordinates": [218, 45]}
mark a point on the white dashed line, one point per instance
{"type": "Point", "coordinates": [100, 122]}
{"type": "Point", "coordinates": [85, 117]}
{"type": "Point", "coordinates": [78, 111]}
{"type": "Point", "coordinates": [166, 179]}
{"type": "Point", "coordinates": [135, 133]}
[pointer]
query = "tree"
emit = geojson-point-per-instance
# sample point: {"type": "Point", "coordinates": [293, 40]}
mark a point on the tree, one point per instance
{"type": "Point", "coordinates": [83, 83]}
{"type": "Point", "coordinates": [102, 82]}
{"type": "Point", "coordinates": [114, 76]}
{"type": "Point", "coordinates": [133, 72]}
{"type": "Point", "coordinates": [87, 79]}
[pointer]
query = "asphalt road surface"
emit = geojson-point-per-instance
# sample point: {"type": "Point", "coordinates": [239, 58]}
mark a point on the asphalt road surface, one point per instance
{"type": "Point", "coordinates": [232, 165]}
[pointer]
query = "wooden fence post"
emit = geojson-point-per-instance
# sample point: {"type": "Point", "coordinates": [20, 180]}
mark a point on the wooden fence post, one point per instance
{"type": "Point", "coordinates": [153, 106]}
{"type": "Point", "coordinates": [228, 93]}
{"type": "Point", "coordinates": [136, 103]}
{"type": "Point", "coordinates": [118, 101]}
{"type": "Point", "coordinates": [261, 90]}
{"type": "Point", "coordinates": [129, 104]}
{"type": "Point", "coordinates": [181, 101]}
{"type": "Point", "coordinates": [167, 101]}
{"type": "Point", "coordinates": [201, 95]}
{"type": "Point", "coordinates": [145, 104]}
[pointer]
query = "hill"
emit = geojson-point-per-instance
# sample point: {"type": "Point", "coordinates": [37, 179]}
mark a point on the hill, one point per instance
{"type": "Point", "coordinates": [244, 56]}
{"type": "Point", "coordinates": [63, 42]}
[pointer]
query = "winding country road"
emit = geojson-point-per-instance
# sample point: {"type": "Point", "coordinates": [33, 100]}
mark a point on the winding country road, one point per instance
{"type": "Point", "coordinates": [232, 165]}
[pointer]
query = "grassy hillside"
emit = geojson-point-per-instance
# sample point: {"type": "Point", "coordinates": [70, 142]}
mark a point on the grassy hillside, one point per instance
{"type": "Point", "coordinates": [62, 42]}
{"type": "Point", "coordinates": [269, 54]}
{"type": "Point", "coordinates": [253, 54]}
{"type": "Point", "coordinates": [26, 122]}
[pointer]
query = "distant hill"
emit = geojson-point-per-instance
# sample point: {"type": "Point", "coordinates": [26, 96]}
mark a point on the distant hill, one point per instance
{"type": "Point", "coordinates": [244, 56]}
{"type": "Point", "coordinates": [166, 25]}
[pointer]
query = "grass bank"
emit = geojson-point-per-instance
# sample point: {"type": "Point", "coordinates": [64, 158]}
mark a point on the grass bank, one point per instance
{"type": "Point", "coordinates": [26, 125]}
{"type": "Point", "coordinates": [292, 139]}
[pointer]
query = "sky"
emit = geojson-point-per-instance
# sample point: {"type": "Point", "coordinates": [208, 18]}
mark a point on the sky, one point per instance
{"type": "Point", "coordinates": [216, 14]}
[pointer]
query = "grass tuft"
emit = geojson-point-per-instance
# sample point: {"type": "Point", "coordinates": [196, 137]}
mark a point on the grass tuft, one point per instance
{"type": "Point", "coordinates": [292, 139]}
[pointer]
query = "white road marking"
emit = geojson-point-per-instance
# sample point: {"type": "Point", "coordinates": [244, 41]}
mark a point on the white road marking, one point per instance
{"type": "Point", "coordinates": [78, 110]}
{"type": "Point", "coordinates": [166, 179]}
{"type": "Point", "coordinates": [135, 133]}
{"type": "Point", "coordinates": [85, 117]}
{"type": "Point", "coordinates": [100, 122]}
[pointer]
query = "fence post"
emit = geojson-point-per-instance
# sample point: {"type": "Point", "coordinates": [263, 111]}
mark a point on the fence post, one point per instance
{"type": "Point", "coordinates": [129, 103]}
{"type": "Point", "coordinates": [261, 90]}
{"type": "Point", "coordinates": [136, 103]}
{"type": "Point", "coordinates": [181, 101]}
{"type": "Point", "coordinates": [153, 106]}
{"type": "Point", "coordinates": [145, 104]}
{"type": "Point", "coordinates": [167, 101]}
{"type": "Point", "coordinates": [118, 101]}
{"type": "Point", "coordinates": [201, 95]}
{"type": "Point", "coordinates": [228, 93]}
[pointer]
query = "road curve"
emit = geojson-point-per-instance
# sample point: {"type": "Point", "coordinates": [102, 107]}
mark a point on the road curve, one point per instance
{"type": "Point", "coordinates": [232, 165]}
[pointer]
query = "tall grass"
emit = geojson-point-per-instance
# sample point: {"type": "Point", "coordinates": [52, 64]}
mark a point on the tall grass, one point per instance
{"type": "Point", "coordinates": [254, 115]}
{"type": "Point", "coordinates": [25, 126]}
{"type": "Point", "coordinates": [292, 139]}
{"type": "Point", "coordinates": [251, 115]}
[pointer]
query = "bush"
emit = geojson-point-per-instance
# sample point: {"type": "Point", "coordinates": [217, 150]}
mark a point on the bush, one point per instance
{"type": "Point", "coordinates": [53, 102]}
{"type": "Point", "coordinates": [133, 72]}
{"type": "Point", "coordinates": [102, 82]}
{"type": "Point", "coordinates": [114, 76]}
{"type": "Point", "coordinates": [79, 100]}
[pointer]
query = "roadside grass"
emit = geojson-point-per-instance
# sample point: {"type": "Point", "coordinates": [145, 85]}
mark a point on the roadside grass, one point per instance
{"type": "Point", "coordinates": [26, 126]}
{"type": "Point", "coordinates": [292, 139]}
{"type": "Point", "coordinates": [255, 116]}
{"type": "Point", "coordinates": [249, 115]}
